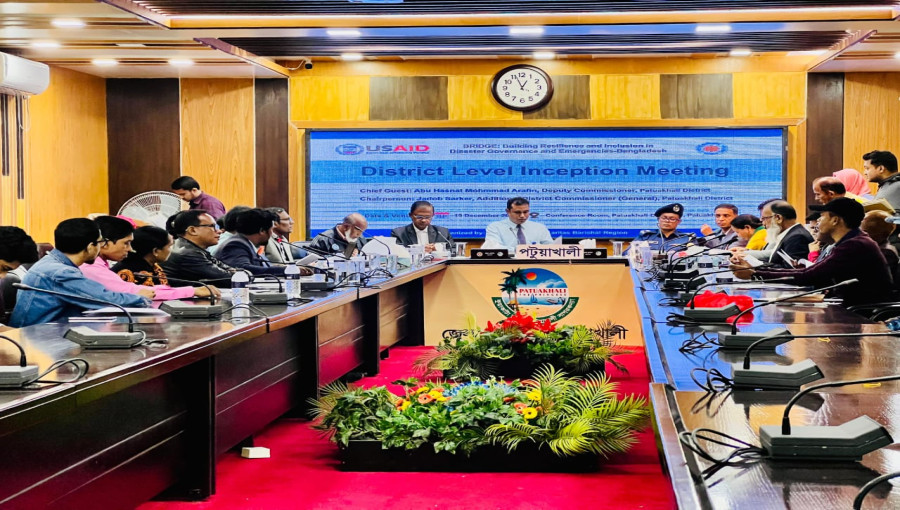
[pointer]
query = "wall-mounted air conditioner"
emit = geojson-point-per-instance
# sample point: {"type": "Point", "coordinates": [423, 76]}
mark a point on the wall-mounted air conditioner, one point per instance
{"type": "Point", "coordinates": [19, 76]}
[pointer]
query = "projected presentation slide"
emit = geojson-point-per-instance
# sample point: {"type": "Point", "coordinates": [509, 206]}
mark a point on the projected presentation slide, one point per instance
{"type": "Point", "coordinates": [582, 183]}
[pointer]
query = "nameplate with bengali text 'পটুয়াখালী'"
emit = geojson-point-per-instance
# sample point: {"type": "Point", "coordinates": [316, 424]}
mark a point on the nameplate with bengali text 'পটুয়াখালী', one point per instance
{"type": "Point", "coordinates": [549, 251]}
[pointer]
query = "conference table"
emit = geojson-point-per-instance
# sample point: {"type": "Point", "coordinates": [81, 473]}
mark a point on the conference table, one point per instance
{"type": "Point", "coordinates": [154, 420]}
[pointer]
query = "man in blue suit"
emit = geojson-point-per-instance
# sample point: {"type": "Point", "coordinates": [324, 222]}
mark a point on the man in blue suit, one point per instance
{"type": "Point", "coordinates": [254, 229]}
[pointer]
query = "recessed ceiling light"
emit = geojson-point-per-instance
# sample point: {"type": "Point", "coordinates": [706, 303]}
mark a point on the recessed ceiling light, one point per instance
{"type": "Point", "coordinates": [105, 62]}
{"type": "Point", "coordinates": [351, 57]}
{"type": "Point", "coordinates": [343, 32]}
{"type": "Point", "coordinates": [543, 55]}
{"type": "Point", "coordinates": [68, 23]}
{"type": "Point", "coordinates": [526, 31]}
{"type": "Point", "coordinates": [181, 62]}
{"type": "Point", "coordinates": [713, 29]}
{"type": "Point", "coordinates": [45, 44]}
{"type": "Point", "coordinates": [897, 55]}
{"type": "Point", "coordinates": [741, 52]}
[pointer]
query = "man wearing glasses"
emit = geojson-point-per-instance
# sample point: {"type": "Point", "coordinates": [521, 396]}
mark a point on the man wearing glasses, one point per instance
{"type": "Point", "coordinates": [783, 234]}
{"type": "Point", "coordinates": [77, 242]}
{"type": "Point", "coordinates": [279, 248]}
{"type": "Point", "coordinates": [668, 217]}
{"type": "Point", "coordinates": [421, 231]}
{"type": "Point", "coordinates": [195, 231]}
{"type": "Point", "coordinates": [345, 239]}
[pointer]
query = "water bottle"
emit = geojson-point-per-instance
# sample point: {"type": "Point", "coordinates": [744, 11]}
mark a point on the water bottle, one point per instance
{"type": "Point", "coordinates": [292, 281]}
{"type": "Point", "coordinates": [705, 266]}
{"type": "Point", "coordinates": [240, 293]}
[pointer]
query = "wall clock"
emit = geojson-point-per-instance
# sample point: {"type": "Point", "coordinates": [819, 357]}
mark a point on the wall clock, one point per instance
{"type": "Point", "coordinates": [522, 87]}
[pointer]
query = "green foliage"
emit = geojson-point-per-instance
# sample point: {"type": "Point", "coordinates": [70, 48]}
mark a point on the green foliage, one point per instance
{"type": "Point", "coordinates": [568, 415]}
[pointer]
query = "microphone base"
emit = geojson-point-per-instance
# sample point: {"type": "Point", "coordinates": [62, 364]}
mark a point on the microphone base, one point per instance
{"type": "Point", "coordinates": [92, 339]}
{"type": "Point", "coordinates": [310, 285]}
{"type": "Point", "coordinates": [719, 314]}
{"type": "Point", "coordinates": [688, 285]}
{"type": "Point", "coordinates": [184, 310]}
{"type": "Point", "coordinates": [268, 298]}
{"type": "Point", "coordinates": [16, 376]}
{"type": "Point", "coordinates": [775, 377]}
{"type": "Point", "coordinates": [680, 275]}
{"type": "Point", "coordinates": [742, 340]}
{"type": "Point", "coordinates": [847, 442]}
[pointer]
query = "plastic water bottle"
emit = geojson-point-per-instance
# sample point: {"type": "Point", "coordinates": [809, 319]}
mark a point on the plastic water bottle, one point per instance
{"type": "Point", "coordinates": [292, 281]}
{"type": "Point", "coordinates": [240, 293]}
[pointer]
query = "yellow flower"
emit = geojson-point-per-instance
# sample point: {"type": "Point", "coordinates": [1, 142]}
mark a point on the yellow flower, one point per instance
{"type": "Point", "coordinates": [529, 413]}
{"type": "Point", "coordinates": [441, 398]}
{"type": "Point", "coordinates": [404, 405]}
{"type": "Point", "coordinates": [423, 389]}
{"type": "Point", "coordinates": [435, 394]}
{"type": "Point", "coordinates": [534, 395]}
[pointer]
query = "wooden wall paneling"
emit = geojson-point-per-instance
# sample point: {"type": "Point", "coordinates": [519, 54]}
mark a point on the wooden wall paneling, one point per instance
{"type": "Point", "coordinates": [871, 113]}
{"type": "Point", "coordinates": [825, 110]}
{"type": "Point", "coordinates": [217, 138]}
{"type": "Point", "coordinates": [696, 96]}
{"type": "Point", "coordinates": [796, 178]}
{"type": "Point", "coordinates": [272, 150]}
{"type": "Point", "coordinates": [408, 98]}
{"type": "Point", "coordinates": [7, 177]}
{"type": "Point", "coordinates": [469, 98]}
{"type": "Point", "coordinates": [65, 152]}
{"type": "Point", "coordinates": [571, 99]}
{"type": "Point", "coordinates": [625, 96]}
{"type": "Point", "coordinates": [143, 137]}
{"type": "Point", "coordinates": [329, 98]}
{"type": "Point", "coordinates": [769, 95]}
{"type": "Point", "coordinates": [297, 181]}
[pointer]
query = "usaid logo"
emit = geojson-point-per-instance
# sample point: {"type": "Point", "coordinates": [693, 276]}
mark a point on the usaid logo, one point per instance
{"type": "Point", "coordinates": [711, 148]}
{"type": "Point", "coordinates": [349, 149]}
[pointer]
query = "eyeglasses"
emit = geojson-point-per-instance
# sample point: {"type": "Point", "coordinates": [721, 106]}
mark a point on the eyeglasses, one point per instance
{"type": "Point", "coordinates": [423, 217]}
{"type": "Point", "coordinates": [360, 230]}
{"type": "Point", "coordinates": [669, 220]}
{"type": "Point", "coordinates": [286, 220]}
{"type": "Point", "coordinates": [209, 225]}
{"type": "Point", "coordinates": [99, 241]}
{"type": "Point", "coordinates": [767, 218]}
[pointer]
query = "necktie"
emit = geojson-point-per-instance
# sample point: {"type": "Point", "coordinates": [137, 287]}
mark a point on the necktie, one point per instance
{"type": "Point", "coordinates": [520, 235]}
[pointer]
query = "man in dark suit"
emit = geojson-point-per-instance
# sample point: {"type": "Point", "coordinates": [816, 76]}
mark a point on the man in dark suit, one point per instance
{"type": "Point", "coordinates": [254, 228]}
{"type": "Point", "coordinates": [421, 231]}
{"type": "Point", "coordinates": [783, 233]}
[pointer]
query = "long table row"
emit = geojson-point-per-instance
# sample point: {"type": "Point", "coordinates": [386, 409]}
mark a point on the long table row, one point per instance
{"type": "Point", "coordinates": [680, 405]}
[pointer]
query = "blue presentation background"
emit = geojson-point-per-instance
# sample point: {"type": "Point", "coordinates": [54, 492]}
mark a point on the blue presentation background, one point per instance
{"type": "Point", "coordinates": [603, 206]}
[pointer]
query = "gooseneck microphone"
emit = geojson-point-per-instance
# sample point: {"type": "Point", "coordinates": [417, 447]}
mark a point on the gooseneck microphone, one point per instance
{"type": "Point", "coordinates": [449, 242]}
{"type": "Point", "coordinates": [323, 253]}
{"type": "Point", "coordinates": [92, 339]}
{"type": "Point", "coordinates": [787, 298]}
{"type": "Point", "coordinates": [17, 376]}
{"type": "Point", "coordinates": [212, 295]}
{"type": "Point", "coordinates": [785, 338]}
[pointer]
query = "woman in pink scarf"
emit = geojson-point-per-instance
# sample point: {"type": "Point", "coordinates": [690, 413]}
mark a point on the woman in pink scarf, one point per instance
{"type": "Point", "coordinates": [854, 182]}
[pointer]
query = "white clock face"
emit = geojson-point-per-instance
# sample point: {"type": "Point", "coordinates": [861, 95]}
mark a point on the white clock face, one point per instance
{"type": "Point", "coordinates": [522, 88]}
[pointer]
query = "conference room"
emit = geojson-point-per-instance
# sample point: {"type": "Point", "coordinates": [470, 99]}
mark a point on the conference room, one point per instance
{"type": "Point", "coordinates": [500, 272]}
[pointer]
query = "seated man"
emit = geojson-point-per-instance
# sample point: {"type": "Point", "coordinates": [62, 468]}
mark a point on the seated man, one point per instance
{"type": "Point", "coordinates": [227, 223]}
{"type": "Point", "coordinates": [189, 190]}
{"type": "Point", "coordinates": [117, 236]}
{"type": "Point", "coordinates": [668, 217]}
{"type": "Point", "coordinates": [826, 189]}
{"type": "Point", "coordinates": [783, 233]}
{"type": "Point", "coordinates": [16, 248]}
{"type": "Point", "coordinates": [516, 228]}
{"type": "Point", "coordinates": [421, 231]}
{"type": "Point", "coordinates": [876, 226]}
{"type": "Point", "coordinates": [724, 236]}
{"type": "Point", "coordinates": [279, 248]}
{"type": "Point", "coordinates": [345, 239]}
{"type": "Point", "coordinates": [77, 242]}
{"type": "Point", "coordinates": [195, 231]}
{"type": "Point", "coordinates": [254, 229]}
{"type": "Point", "coordinates": [854, 255]}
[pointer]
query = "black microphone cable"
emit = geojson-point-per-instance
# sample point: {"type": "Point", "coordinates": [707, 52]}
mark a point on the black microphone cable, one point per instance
{"type": "Point", "coordinates": [867, 488]}
{"type": "Point", "coordinates": [742, 453]}
{"type": "Point", "coordinates": [694, 344]}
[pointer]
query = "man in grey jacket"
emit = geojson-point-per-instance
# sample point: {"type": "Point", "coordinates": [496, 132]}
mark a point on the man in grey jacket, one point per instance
{"type": "Point", "coordinates": [881, 168]}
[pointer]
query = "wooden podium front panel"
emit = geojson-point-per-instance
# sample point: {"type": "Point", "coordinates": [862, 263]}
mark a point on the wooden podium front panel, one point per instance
{"type": "Point", "coordinates": [604, 292]}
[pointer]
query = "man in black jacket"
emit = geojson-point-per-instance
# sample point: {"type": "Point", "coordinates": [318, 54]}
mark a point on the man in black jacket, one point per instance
{"type": "Point", "coordinates": [784, 234]}
{"type": "Point", "coordinates": [421, 231]}
{"type": "Point", "coordinates": [194, 232]}
{"type": "Point", "coordinates": [345, 239]}
{"type": "Point", "coordinates": [254, 229]}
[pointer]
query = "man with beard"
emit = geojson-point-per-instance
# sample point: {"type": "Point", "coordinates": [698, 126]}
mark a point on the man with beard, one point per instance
{"type": "Point", "coordinates": [345, 239]}
{"type": "Point", "coordinates": [783, 233]}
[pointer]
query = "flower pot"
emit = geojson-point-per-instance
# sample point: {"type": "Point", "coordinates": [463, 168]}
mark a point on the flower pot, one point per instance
{"type": "Point", "coordinates": [369, 455]}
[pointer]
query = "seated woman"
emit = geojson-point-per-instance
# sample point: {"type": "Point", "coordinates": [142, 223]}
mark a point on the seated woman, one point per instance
{"type": "Point", "coordinates": [750, 230]}
{"type": "Point", "coordinates": [118, 235]}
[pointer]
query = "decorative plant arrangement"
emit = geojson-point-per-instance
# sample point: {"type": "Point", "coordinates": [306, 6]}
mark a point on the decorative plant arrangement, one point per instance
{"type": "Point", "coordinates": [515, 346]}
{"type": "Point", "coordinates": [439, 425]}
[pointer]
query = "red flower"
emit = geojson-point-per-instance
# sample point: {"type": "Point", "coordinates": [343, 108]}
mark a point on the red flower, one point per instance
{"type": "Point", "coordinates": [490, 327]}
{"type": "Point", "coordinates": [524, 323]}
{"type": "Point", "coordinates": [545, 326]}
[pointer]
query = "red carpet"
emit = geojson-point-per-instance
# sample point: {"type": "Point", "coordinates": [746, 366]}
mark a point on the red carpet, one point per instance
{"type": "Point", "coordinates": [302, 472]}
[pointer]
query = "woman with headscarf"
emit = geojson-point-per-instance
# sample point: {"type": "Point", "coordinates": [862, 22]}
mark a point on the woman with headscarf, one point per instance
{"type": "Point", "coordinates": [855, 183]}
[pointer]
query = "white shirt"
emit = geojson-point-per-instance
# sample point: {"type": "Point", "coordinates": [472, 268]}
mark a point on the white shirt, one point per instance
{"type": "Point", "coordinates": [421, 236]}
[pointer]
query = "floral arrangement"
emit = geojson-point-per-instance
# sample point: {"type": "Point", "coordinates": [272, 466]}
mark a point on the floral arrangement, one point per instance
{"type": "Point", "coordinates": [569, 415]}
{"type": "Point", "coordinates": [474, 352]}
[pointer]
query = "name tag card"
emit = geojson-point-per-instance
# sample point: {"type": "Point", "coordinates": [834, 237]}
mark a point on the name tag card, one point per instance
{"type": "Point", "coordinates": [549, 251]}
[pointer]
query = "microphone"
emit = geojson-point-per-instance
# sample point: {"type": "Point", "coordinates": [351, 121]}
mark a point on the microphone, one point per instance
{"type": "Point", "coordinates": [847, 442]}
{"type": "Point", "coordinates": [674, 262]}
{"type": "Point", "coordinates": [89, 338]}
{"type": "Point", "coordinates": [781, 377]}
{"type": "Point", "coordinates": [212, 296]}
{"type": "Point", "coordinates": [17, 376]}
{"type": "Point", "coordinates": [718, 314]}
{"type": "Point", "coordinates": [375, 238]}
{"type": "Point", "coordinates": [324, 253]}
{"type": "Point", "coordinates": [691, 284]}
{"type": "Point", "coordinates": [449, 242]}
{"type": "Point", "coordinates": [787, 298]}
{"type": "Point", "coordinates": [268, 298]}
